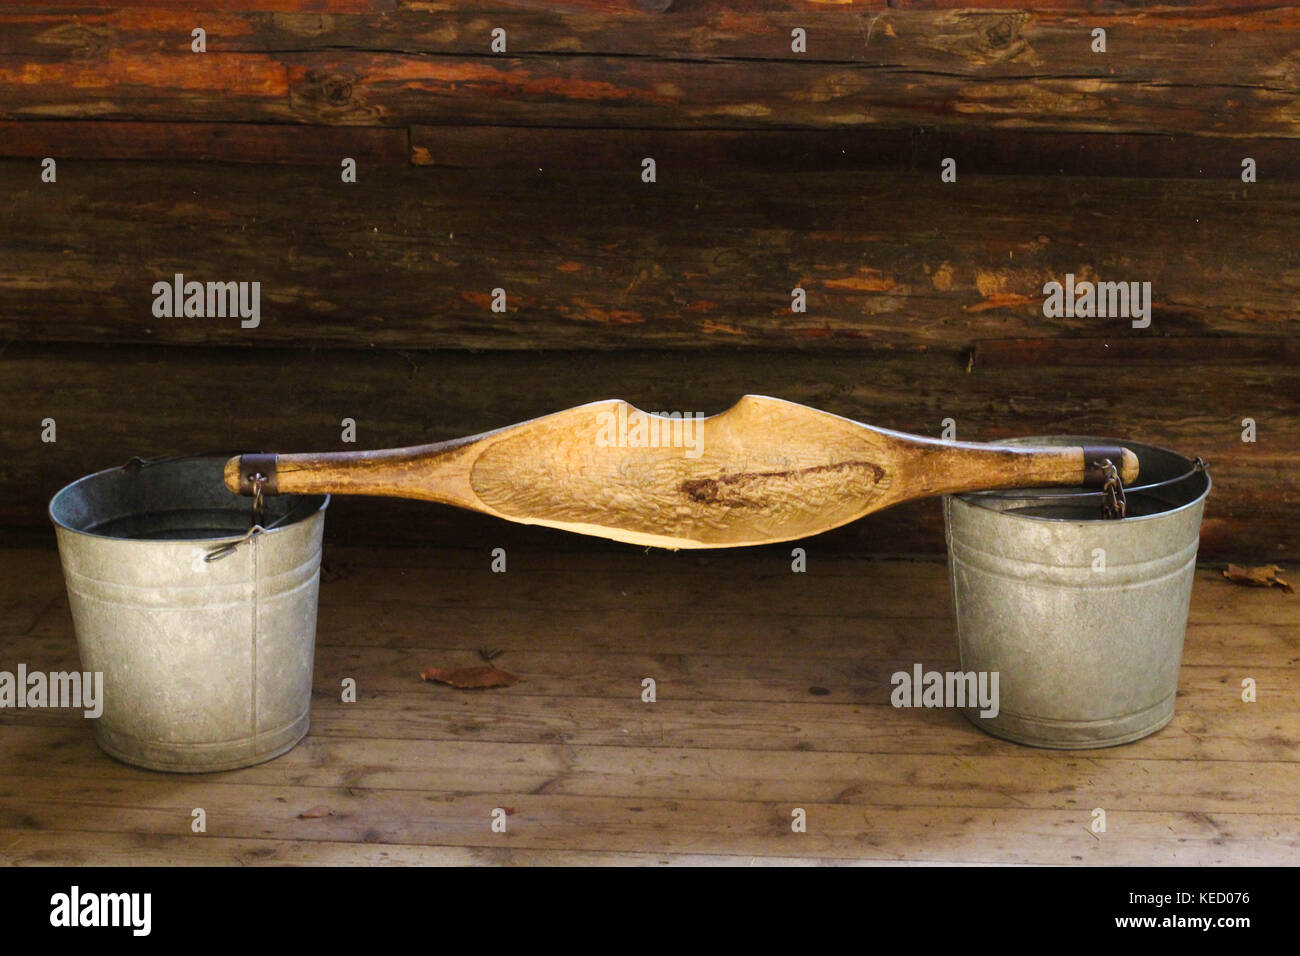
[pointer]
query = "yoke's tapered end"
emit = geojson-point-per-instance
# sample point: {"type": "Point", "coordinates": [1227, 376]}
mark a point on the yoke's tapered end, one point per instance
{"type": "Point", "coordinates": [232, 475]}
{"type": "Point", "coordinates": [243, 473]}
{"type": "Point", "coordinates": [1128, 471]}
{"type": "Point", "coordinates": [1095, 457]}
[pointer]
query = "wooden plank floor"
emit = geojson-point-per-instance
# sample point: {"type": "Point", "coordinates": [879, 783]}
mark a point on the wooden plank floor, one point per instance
{"type": "Point", "coordinates": [708, 773]}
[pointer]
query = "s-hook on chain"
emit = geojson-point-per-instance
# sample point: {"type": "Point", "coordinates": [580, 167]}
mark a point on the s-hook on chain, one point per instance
{"type": "Point", "coordinates": [259, 481]}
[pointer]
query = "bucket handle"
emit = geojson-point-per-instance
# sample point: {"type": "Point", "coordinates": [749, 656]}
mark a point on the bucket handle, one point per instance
{"type": "Point", "coordinates": [226, 550]}
{"type": "Point", "coordinates": [135, 462]}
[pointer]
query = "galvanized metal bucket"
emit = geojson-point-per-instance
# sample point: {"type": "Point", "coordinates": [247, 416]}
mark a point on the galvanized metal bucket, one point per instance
{"type": "Point", "coordinates": [1082, 617]}
{"type": "Point", "coordinates": [203, 626]}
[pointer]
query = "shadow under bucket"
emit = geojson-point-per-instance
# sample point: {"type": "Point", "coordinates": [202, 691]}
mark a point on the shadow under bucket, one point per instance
{"type": "Point", "coordinates": [1082, 617]}
{"type": "Point", "coordinates": [203, 626]}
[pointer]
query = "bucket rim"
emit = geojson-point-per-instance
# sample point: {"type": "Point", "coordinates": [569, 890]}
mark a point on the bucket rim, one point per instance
{"type": "Point", "coordinates": [233, 538]}
{"type": "Point", "coordinates": [972, 498]}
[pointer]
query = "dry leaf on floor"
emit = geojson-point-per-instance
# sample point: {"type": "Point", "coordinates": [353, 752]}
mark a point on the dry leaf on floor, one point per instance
{"type": "Point", "coordinates": [1264, 576]}
{"type": "Point", "coordinates": [470, 678]}
{"type": "Point", "coordinates": [315, 813]}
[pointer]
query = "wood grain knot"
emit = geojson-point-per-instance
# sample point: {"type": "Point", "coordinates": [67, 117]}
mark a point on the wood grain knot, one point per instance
{"type": "Point", "coordinates": [1000, 34]}
{"type": "Point", "coordinates": [337, 91]}
{"type": "Point", "coordinates": [760, 489]}
{"type": "Point", "coordinates": [324, 91]}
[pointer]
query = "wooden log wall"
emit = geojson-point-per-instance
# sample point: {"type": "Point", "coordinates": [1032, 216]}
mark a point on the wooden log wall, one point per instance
{"type": "Point", "coordinates": [522, 171]}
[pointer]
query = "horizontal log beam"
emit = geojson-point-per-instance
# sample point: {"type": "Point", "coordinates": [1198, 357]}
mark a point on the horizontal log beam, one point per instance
{"type": "Point", "coordinates": [1154, 44]}
{"type": "Point", "coordinates": [1001, 152]}
{"type": "Point", "coordinates": [1192, 71]}
{"type": "Point", "coordinates": [408, 257]}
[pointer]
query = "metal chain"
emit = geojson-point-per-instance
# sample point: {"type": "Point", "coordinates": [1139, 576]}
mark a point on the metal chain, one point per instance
{"type": "Point", "coordinates": [259, 480]}
{"type": "Point", "coordinates": [1113, 504]}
